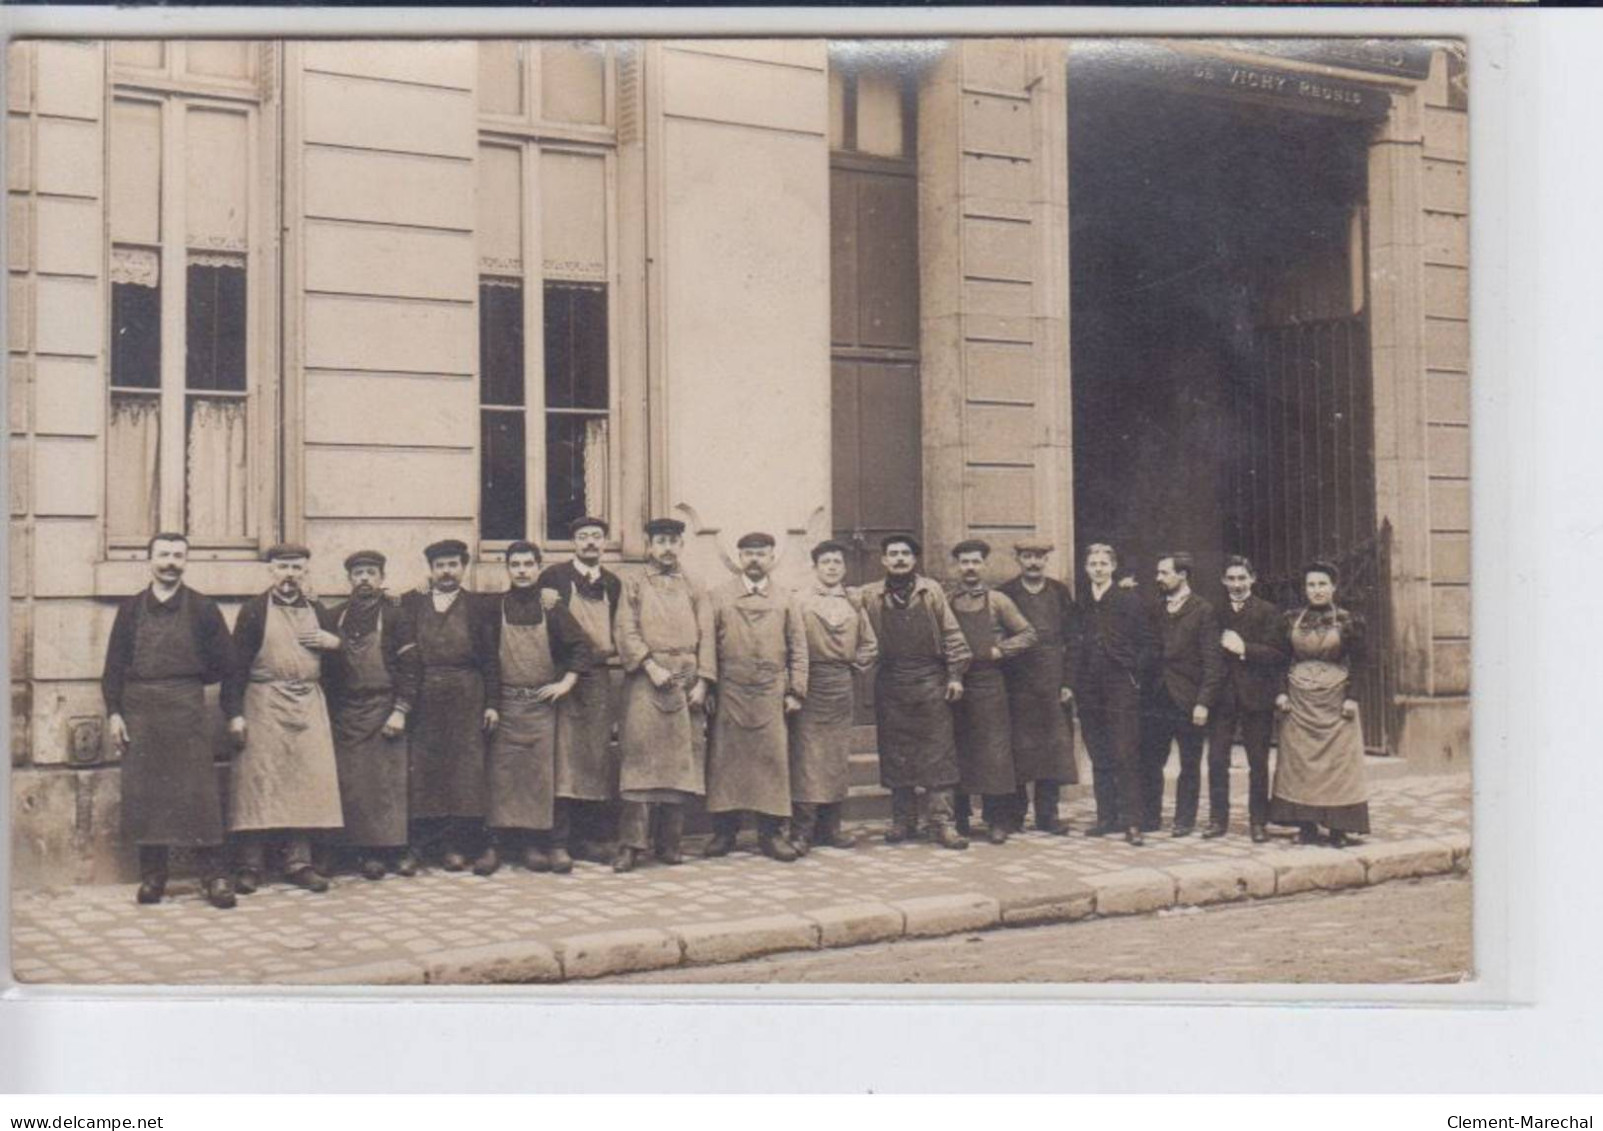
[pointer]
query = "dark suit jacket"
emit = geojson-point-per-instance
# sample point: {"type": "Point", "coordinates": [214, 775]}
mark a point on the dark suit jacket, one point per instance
{"type": "Point", "coordinates": [1068, 619]}
{"type": "Point", "coordinates": [484, 627]}
{"type": "Point", "coordinates": [563, 577]}
{"type": "Point", "coordinates": [400, 651]}
{"type": "Point", "coordinates": [1252, 681]}
{"type": "Point", "coordinates": [1116, 630]}
{"type": "Point", "coordinates": [1191, 663]}
{"type": "Point", "coordinates": [249, 628]}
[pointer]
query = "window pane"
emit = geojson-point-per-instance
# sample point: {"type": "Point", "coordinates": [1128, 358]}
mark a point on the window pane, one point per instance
{"type": "Point", "coordinates": [500, 210]}
{"type": "Point", "coordinates": [135, 169]}
{"type": "Point", "coordinates": [575, 345]}
{"type": "Point", "coordinates": [215, 357]}
{"type": "Point", "coordinates": [217, 176]}
{"type": "Point", "coordinates": [133, 454]}
{"type": "Point", "coordinates": [135, 320]}
{"type": "Point", "coordinates": [502, 475]}
{"type": "Point", "coordinates": [500, 342]}
{"type": "Point", "coordinates": [573, 216]}
{"type": "Point", "coordinates": [572, 79]}
{"type": "Point", "coordinates": [215, 468]}
{"type": "Point", "coordinates": [576, 460]}
{"type": "Point", "coordinates": [500, 77]}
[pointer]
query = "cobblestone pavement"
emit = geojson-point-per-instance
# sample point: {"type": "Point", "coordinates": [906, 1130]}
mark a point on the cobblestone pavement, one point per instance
{"type": "Point", "coordinates": [390, 931]}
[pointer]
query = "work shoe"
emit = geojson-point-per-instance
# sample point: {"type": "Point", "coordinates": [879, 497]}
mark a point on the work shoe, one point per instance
{"type": "Point", "coordinates": [842, 840]}
{"type": "Point", "coordinates": [373, 868]}
{"type": "Point", "coordinates": [309, 878]}
{"type": "Point", "coordinates": [247, 881]}
{"type": "Point", "coordinates": [948, 837]}
{"type": "Point", "coordinates": [777, 848]}
{"type": "Point", "coordinates": [900, 831]}
{"type": "Point", "coordinates": [996, 834]}
{"type": "Point", "coordinates": [801, 845]}
{"type": "Point", "coordinates": [408, 864]}
{"type": "Point", "coordinates": [1182, 830]}
{"type": "Point", "coordinates": [1133, 837]}
{"type": "Point", "coordinates": [719, 845]}
{"type": "Point", "coordinates": [1338, 839]}
{"type": "Point", "coordinates": [1308, 834]}
{"type": "Point", "coordinates": [220, 893]}
{"type": "Point", "coordinates": [625, 860]}
{"type": "Point", "coordinates": [488, 863]}
{"type": "Point", "coordinates": [1260, 835]}
{"type": "Point", "coordinates": [1215, 830]}
{"type": "Point", "coordinates": [1052, 827]}
{"type": "Point", "coordinates": [538, 859]}
{"type": "Point", "coordinates": [561, 862]}
{"type": "Point", "coordinates": [1101, 828]}
{"type": "Point", "coordinates": [454, 861]}
{"type": "Point", "coordinates": [151, 891]}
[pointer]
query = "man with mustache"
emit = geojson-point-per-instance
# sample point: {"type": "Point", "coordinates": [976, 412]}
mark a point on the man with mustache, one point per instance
{"type": "Point", "coordinates": [285, 783]}
{"type": "Point", "coordinates": [762, 678]}
{"type": "Point", "coordinates": [455, 707]}
{"type": "Point", "coordinates": [372, 682]}
{"type": "Point", "coordinates": [923, 656]}
{"type": "Point", "coordinates": [665, 642]}
{"type": "Point", "coordinates": [167, 643]}
{"type": "Point", "coordinates": [540, 653]}
{"type": "Point", "coordinates": [995, 630]}
{"type": "Point", "coordinates": [1254, 654]}
{"type": "Point", "coordinates": [1040, 691]}
{"type": "Point", "coordinates": [587, 760]}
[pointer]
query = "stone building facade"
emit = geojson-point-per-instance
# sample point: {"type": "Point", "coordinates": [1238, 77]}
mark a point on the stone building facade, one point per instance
{"type": "Point", "coordinates": [378, 293]}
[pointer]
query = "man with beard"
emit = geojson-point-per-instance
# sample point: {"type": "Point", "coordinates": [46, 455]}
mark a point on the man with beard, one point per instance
{"type": "Point", "coordinates": [1039, 685]}
{"type": "Point", "coordinates": [1117, 645]}
{"type": "Point", "coordinates": [167, 643]}
{"type": "Point", "coordinates": [285, 782]}
{"type": "Point", "coordinates": [1255, 651]}
{"type": "Point", "coordinates": [923, 656]}
{"type": "Point", "coordinates": [541, 653]}
{"type": "Point", "coordinates": [587, 761]}
{"type": "Point", "coordinates": [840, 640]}
{"type": "Point", "coordinates": [995, 630]}
{"type": "Point", "coordinates": [762, 678]}
{"type": "Point", "coordinates": [372, 681]}
{"type": "Point", "coordinates": [665, 643]}
{"type": "Point", "coordinates": [1184, 682]}
{"type": "Point", "coordinates": [455, 707]}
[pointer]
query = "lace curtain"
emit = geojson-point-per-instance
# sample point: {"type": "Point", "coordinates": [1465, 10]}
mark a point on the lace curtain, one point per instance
{"type": "Point", "coordinates": [595, 466]}
{"type": "Point", "coordinates": [217, 469]}
{"type": "Point", "coordinates": [133, 452]}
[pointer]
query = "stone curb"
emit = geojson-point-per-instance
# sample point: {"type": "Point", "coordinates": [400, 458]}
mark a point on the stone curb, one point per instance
{"type": "Point", "coordinates": [618, 952]}
{"type": "Point", "coordinates": [853, 924]}
{"type": "Point", "coordinates": [1221, 881]}
{"type": "Point", "coordinates": [1130, 891]}
{"type": "Point", "coordinates": [929, 916]}
{"type": "Point", "coordinates": [739, 939]}
{"type": "Point", "coordinates": [1069, 901]}
{"type": "Point", "coordinates": [494, 964]}
{"type": "Point", "coordinates": [1405, 858]}
{"type": "Point", "coordinates": [398, 972]}
{"type": "Point", "coordinates": [1316, 869]}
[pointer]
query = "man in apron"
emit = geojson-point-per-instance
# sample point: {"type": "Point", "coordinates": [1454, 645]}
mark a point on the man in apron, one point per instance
{"type": "Point", "coordinates": [541, 653]}
{"type": "Point", "coordinates": [1040, 694]}
{"type": "Point", "coordinates": [371, 682]}
{"type": "Point", "coordinates": [995, 631]}
{"type": "Point", "coordinates": [587, 759]}
{"type": "Point", "coordinates": [285, 782]}
{"type": "Point", "coordinates": [840, 641]}
{"type": "Point", "coordinates": [665, 643]}
{"type": "Point", "coordinates": [455, 708]}
{"type": "Point", "coordinates": [167, 643]}
{"type": "Point", "coordinates": [922, 658]}
{"type": "Point", "coordinates": [762, 678]}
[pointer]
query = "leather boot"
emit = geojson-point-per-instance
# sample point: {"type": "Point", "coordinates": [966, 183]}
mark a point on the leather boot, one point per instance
{"type": "Point", "coordinates": [407, 864]}
{"type": "Point", "coordinates": [536, 859]}
{"type": "Point", "coordinates": [670, 834]}
{"type": "Point", "coordinates": [561, 861]}
{"type": "Point", "coordinates": [309, 878]}
{"type": "Point", "coordinates": [220, 893]}
{"type": "Point", "coordinates": [948, 837]}
{"type": "Point", "coordinates": [1260, 834]}
{"type": "Point", "coordinates": [488, 863]}
{"type": "Point", "coordinates": [960, 814]}
{"type": "Point", "coordinates": [776, 847]}
{"type": "Point", "coordinates": [373, 868]}
{"type": "Point", "coordinates": [1133, 837]}
{"type": "Point", "coordinates": [1215, 830]}
{"type": "Point", "coordinates": [626, 858]}
{"type": "Point", "coordinates": [151, 891]}
{"type": "Point", "coordinates": [829, 830]}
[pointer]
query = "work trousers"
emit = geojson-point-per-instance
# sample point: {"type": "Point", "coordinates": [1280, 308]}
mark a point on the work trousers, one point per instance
{"type": "Point", "coordinates": [727, 824]}
{"type": "Point", "coordinates": [1164, 723]}
{"type": "Point", "coordinates": [1257, 728]}
{"type": "Point", "coordinates": [1111, 721]}
{"type": "Point", "coordinates": [1047, 794]}
{"type": "Point", "coordinates": [463, 835]}
{"type": "Point", "coordinates": [816, 822]}
{"type": "Point", "coordinates": [938, 806]}
{"type": "Point", "coordinates": [640, 823]}
{"type": "Point", "coordinates": [999, 810]}
{"type": "Point", "coordinates": [154, 860]}
{"type": "Point", "coordinates": [252, 850]}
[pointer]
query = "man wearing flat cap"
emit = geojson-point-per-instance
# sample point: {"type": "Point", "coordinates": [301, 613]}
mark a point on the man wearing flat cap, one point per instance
{"type": "Point", "coordinates": [587, 759]}
{"type": "Point", "coordinates": [1040, 691]}
{"type": "Point", "coordinates": [285, 781]}
{"type": "Point", "coordinates": [923, 656]}
{"type": "Point", "coordinates": [454, 709]}
{"type": "Point", "coordinates": [995, 631]}
{"type": "Point", "coordinates": [762, 678]}
{"type": "Point", "coordinates": [372, 681]}
{"type": "Point", "coordinates": [665, 643]}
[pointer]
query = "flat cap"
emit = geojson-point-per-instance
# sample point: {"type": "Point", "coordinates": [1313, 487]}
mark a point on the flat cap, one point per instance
{"type": "Point", "coordinates": [890, 540]}
{"type": "Point", "coordinates": [446, 548]}
{"type": "Point", "coordinates": [756, 540]}
{"type": "Point", "coordinates": [579, 524]}
{"type": "Point", "coordinates": [664, 526]}
{"type": "Point", "coordinates": [972, 546]}
{"type": "Point", "coordinates": [365, 557]}
{"type": "Point", "coordinates": [287, 550]}
{"type": "Point", "coordinates": [1033, 545]}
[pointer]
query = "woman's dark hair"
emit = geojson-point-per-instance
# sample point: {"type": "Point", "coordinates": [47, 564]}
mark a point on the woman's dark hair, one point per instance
{"type": "Point", "coordinates": [1327, 568]}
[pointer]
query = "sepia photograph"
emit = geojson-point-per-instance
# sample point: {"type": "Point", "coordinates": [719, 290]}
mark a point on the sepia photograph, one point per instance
{"type": "Point", "coordinates": [838, 511]}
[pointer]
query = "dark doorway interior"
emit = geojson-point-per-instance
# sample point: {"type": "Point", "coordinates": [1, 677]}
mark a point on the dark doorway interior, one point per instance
{"type": "Point", "coordinates": [1219, 350]}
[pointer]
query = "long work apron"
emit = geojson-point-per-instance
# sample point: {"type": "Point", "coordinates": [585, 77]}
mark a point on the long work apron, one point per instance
{"type": "Point", "coordinates": [821, 735]}
{"type": "Point", "coordinates": [372, 768]}
{"type": "Point", "coordinates": [983, 728]}
{"type": "Point", "coordinates": [169, 780]}
{"type": "Point", "coordinates": [1321, 758]}
{"type": "Point", "coordinates": [664, 738]}
{"type": "Point", "coordinates": [1043, 734]}
{"type": "Point", "coordinates": [587, 760]}
{"type": "Point", "coordinates": [286, 777]}
{"type": "Point", "coordinates": [748, 764]}
{"type": "Point", "coordinates": [522, 763]}
{"type": "Point", "coordinates": [446, 742]}
{"type": "Point", "coordinates": [914, 722]}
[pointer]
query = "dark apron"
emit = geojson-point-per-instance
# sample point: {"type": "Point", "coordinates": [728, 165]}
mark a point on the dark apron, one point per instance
{"type": "Point", "coordinates": [980, 719]}
{"type": "Point", "coordinates": [914, 722]}
{"type": "Point", "coordinates": [587, 761]}
{"type": "Point", "coordinates": [446, 747]}
{"type": "Point", "coordinates": [1043, 731]}
{"type": "Point", "coordinates": [821, 736]}
{"type": "Point", "coordinates": [372, 768]}
{"type": "Point", "coordinates": [522, 763]}
{"type": "Point", "coordinates": [169, 782]}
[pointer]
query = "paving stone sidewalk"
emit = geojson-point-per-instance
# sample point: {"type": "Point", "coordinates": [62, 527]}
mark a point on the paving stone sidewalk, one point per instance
{"type": "Point", "coordinates": [520, 927]}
